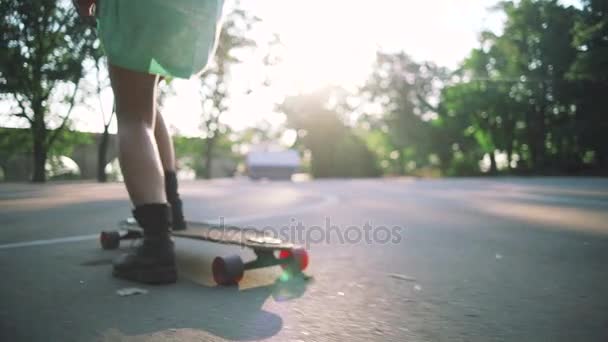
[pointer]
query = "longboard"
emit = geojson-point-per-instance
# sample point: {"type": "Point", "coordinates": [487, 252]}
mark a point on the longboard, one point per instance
{"type": "Point", "coordinates": [227, 270]}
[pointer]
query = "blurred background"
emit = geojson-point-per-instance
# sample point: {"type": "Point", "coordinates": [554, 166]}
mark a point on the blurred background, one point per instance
{"type": "Point", "coordinates": [314, 89]}
{"type": "Point", "coordinates": [412, 96]}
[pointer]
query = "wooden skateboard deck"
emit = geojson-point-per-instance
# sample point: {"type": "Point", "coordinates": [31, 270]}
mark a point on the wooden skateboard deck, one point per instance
{"type": "Point", "coordinates": [230, 235]}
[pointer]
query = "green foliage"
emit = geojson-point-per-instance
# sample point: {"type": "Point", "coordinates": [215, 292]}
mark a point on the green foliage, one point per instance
{"type": "Point", "coordinates": [14, 141]}
{"type": "Point", "coordinates": [403, 90]}
{"type": "Point", "coordinates": [188, 152]}
{"type": "Point", "coordinates": [591, 40]}
{"type": "Point", "coordinates": [42, 45]}
{"type": "Point", "coordinates": [335, 150]}
{"type": "Point", "coordinates": [67, 140]}
{"type": "Point", "coordinates": [535, 93]}
{"type": "Point", "coordinates": [590, 69]}
{"type": "Point", "coordinates": [353, 159]}
{"type": "Point", "coordinates": [379, 144]}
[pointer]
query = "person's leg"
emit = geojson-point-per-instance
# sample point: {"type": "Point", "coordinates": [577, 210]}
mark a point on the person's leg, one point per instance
{"type": "Point", "coordinates": [165, 144]}
{"type": "Point", "coordinates": [135, 95]}
{"type": "Point", "coordinates": [167, 157]}
{"type": "Point", "coordinates": [140, 163]}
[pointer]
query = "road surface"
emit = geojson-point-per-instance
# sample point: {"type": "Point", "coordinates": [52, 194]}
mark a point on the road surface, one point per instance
{"type": "Point", "coordinates": [505, 259]}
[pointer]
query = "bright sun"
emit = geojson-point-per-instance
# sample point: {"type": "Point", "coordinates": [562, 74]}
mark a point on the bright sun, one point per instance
{"type": "Point", "coordinates": [325, 44]}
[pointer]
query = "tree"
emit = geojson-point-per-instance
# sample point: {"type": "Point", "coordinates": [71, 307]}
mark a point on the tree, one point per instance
{"type": "Point", "coordinates": [102, 148]}
{"type": "Point", "coordinates": [403, 90]}
{"type": "Point", "coordinates": [590, 69]}
{"type": "Point", "coordinates": [514, 94]}
{"type": "Point", "coordinates": [335, 150]}
{"type": "Point", "coordinates": [214, 81]}
{"type": "Point", "coordinates": [481, 108]}
{"type": "Point", "coordinates": [538, 35]}
{"type": "Point", "coordinates": [42, 45]}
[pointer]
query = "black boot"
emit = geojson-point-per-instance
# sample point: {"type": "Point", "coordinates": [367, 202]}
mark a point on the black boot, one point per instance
{"type": "Point", "coordinates": [154, 261]}
{"type": "Point", "coordinates": [177, 214]}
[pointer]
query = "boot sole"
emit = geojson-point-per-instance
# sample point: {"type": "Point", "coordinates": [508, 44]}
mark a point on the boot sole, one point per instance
{"type": "Point", "coordinates": [157, 276]}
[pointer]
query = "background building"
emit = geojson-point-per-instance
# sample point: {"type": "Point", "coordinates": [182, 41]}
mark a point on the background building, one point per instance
{"type": "Point", "coordinates": [270, 162]}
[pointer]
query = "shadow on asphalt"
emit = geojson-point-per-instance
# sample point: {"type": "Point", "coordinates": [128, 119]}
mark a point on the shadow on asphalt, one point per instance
{"type": "Point", "coordinates": [230, 313]}
{"type": "Point", "coordinates": [194, 308]}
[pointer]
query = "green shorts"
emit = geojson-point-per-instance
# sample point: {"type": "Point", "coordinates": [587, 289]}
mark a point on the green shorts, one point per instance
{"type": "Point", "coordinates": [173, 38]}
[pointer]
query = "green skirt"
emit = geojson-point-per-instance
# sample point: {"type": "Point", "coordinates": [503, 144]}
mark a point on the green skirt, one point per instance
{"type": "Point", "coordinates": [173, 38]}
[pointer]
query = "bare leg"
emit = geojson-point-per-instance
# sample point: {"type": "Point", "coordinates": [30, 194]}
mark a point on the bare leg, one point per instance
{"type": "Point", "coordinates": [164, 143]}
{"type": "Point", "coordinates": [154, 260]}
{"type": "Point", "coordinates": [167, 156]}
{"type": "Point", "coordinates": [135, 95]}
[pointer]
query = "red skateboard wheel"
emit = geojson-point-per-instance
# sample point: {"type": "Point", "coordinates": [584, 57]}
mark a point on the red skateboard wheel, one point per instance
{"type": "Point", "coordinates": [299, 254]}
{"type": "Point", "coordinates": [228, 270]}
{"type": "Point", "coordinates": [109, 240]}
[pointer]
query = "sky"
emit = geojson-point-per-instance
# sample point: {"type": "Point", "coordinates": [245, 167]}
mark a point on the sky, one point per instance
{"type": "Point", "coordinates": [334, 42]}
{"type": "Point", "coordinates": [326, 42]}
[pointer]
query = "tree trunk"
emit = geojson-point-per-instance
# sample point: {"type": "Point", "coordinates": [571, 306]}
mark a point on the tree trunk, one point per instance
{"type": "Point", "coordinates": [493, 167]}
{"type": "Point", "coordinates": [40, 149]}
{"type": "Point", "coordinates": [401, 163]}
{"type": "Point", "coordinates": [509, 155]}
{"type": "Point", "coordinates": [39, 138]}
{"type": "Point", "coordinates": [531, 151]}
{"type": "Point", "coordinates": [541, 131]}
{"type": "Point", "coordinates": [101, 156]}
{"type": "Point", "coordinates": [209, 145]}
{"type": "Point", "coordinates": [540, 142]}
{"type": "Point", "coordinates": [510, 134]}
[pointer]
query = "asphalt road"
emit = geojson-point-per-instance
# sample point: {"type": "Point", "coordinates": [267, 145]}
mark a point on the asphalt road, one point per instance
{"type": "Point", "coordinates": [404, 260]}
